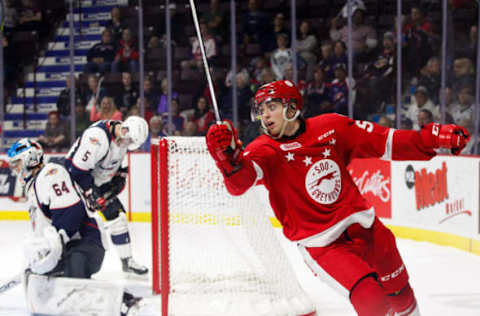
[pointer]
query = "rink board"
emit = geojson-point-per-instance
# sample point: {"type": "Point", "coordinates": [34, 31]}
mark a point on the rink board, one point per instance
{"type": "Point", "coordinates": [435, 201]}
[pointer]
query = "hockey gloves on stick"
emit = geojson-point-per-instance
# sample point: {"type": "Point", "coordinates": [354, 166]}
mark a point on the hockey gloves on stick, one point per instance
{"type": "Point", "coordinates": [95, 201]}
{"type": "Point", "coordinates": [224, 146]}
{"type": "Point", "coordinates": [115, 186]}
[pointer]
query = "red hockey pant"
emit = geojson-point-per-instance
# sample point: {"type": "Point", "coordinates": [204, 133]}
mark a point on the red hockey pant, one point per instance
{"type": "Point", "coordinates": [357, 253]}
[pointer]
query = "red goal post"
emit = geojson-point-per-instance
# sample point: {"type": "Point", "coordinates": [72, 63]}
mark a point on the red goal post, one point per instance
{"type": "Point", "coordinates": [214, 254]}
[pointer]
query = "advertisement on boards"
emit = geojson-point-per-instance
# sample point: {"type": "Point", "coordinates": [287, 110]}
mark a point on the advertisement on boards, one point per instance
{"type": "Point", "coordinates": [373, 179]}
{"type": "Point", "coordinates": [441, 194]}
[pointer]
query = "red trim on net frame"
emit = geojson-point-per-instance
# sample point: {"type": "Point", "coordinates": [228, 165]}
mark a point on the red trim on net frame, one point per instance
{"type": "Point", "coordinates": [154, 150]}
{"type": "Point", "coordinates": [164, 229]}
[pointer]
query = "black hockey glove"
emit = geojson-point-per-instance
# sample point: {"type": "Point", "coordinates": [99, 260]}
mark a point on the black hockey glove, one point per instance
{"type": "Point", "coordinates": [95, 201]}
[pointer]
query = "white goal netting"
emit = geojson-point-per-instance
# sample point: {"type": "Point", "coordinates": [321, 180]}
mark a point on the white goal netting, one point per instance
{"type": "Point", "coordinates": [224, 257]}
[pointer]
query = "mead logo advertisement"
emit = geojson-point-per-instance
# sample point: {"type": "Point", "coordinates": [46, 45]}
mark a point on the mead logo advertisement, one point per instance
{"type": "Point", "coordinates": [373, 179]}
{"type": "Point", "coordinates": [431, 188]}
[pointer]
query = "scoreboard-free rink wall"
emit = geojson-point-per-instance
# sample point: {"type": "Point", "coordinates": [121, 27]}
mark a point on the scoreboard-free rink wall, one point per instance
{"type": "Point", "coordinates": [435, 201]}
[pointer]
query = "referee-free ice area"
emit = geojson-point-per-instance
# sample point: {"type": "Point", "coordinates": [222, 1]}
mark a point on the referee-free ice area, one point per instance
{"type": "Point", "coordinates": [446, 280]}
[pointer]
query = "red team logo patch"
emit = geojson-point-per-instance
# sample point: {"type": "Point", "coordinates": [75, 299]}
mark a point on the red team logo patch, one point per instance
{"type": "Point", "coordinates": [323, 181]}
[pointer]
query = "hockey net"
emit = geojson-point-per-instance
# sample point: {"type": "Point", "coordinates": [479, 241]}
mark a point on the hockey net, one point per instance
{"type": "Point", "coordinates": [214, 254]}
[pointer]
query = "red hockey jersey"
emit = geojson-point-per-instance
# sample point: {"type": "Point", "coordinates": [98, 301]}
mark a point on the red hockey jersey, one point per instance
{"type": "Point", "coordinates": [310, 188]}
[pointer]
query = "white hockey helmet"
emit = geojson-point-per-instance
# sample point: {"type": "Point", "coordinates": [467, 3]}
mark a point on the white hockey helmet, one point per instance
{"type": "Point", "coordinates": [136, 131]}
{"type": "Point", "coordinates": [23, 156]}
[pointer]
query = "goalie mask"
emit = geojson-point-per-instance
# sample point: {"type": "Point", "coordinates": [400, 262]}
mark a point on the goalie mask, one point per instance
{"type": "Point", "coordinates": [24, 156]}
{"type": "Point", "coordinates": [133, 132]}
{"type": "Point", "coordinates": [283, 91]}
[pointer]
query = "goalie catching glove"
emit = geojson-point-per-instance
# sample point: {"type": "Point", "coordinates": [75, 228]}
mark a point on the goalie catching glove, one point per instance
{"type": "Point", "coordinates": [224, 146]}
{"type": "Point", "coordinates": [42, 253]}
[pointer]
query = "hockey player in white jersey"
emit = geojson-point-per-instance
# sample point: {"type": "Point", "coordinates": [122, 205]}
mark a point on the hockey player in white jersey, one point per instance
{"type": "Point", "coordinates": [94, 162]}
{"type": "Point", "coordinates": [66, 242]}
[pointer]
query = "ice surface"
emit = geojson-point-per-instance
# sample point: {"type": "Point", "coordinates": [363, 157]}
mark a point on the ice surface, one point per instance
{"type": "Point", "coordinates": [446, 280]}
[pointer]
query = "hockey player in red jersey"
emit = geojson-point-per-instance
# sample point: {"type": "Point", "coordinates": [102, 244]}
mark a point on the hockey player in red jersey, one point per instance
{"type": "Point", "coordinates": [303, 165]}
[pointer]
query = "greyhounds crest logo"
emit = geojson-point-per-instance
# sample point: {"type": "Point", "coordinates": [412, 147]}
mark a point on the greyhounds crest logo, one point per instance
{"type": "Point", "coordinates": [323, 181]}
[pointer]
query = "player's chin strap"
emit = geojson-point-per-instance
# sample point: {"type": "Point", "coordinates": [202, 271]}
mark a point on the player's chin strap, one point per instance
{"type": "Point", "coordinates": [285, 123]}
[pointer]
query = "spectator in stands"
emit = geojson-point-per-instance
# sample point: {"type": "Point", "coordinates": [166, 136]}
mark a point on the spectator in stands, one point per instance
{"type": "Point", "coordinates": [267, 76]}
{"type": "Point", "coordinates": [463, 74]}
{"type": "Point", "coordinates": [116, 25]}
{"type": "Point", "coordinates": [306, 47]}
{"type": "Point", "coordinates": [177, 31]}
{"type": "Point", "coordinates": [339, 54]}
{"type": "Point", "coordinates": [420, 101]}
{"type": "Point", "coordinates": [177, 120]}
{"type": "Point", "coordinates": [108, 111]}
{"type": "Point", "coordinates": [269, 43]}
{"type": "Point", "coordinates": [254, 24]}
{"type": "Point", "coordinates": [327, 59]}
{"type": "Point", "coordinates": [149, 91]}
{"type": "Point", "coordinates": [339, 90]}
{"type": "Point", "coordinates": [255, 68]}
{"type": "Point", "coordinates": [155, 130]}
{"type": "Point", "coordinates": [11, 18]}
{"type": "Point", "coordinates": [418, 34]}
{"type": "Point", "coordinates": [126, 58]}
{"type": "Point", "coordinates": [430, 78]}
{"type": "Point", "coordinates": [128, 94]}
{"type": "Point", "coordinates": [94, 92]}
{"type": "Point", "coordinates": [470, 49]}
{"type": "Point", "coordinates": [11, 61]}
{"type": "Point", "coordinates": [82, 119]}
{"type": "Point", "coordinates": [378, 78]}
{"type": "Point", "coordinates": [191, 129]}
{"type": "Point", "coordinates": [63, 101]}
{"type": "Point", "coordinates": [364, 37]}
{"type": "Point", "coordinates": [281, 57]}
{"type": "Point", "coordinates": [424, 117]}
{"type": "Point", "coordinates": [449, 100]}
{"type": "Point", "coordinates": [101, 55]}
{"type": "Point", "coordinates": [156, 126]}
{"type": "Point", "coordinates": [162, 106]}
{"type": "Point", "coordinates": [56, 136]}
{"type": "Point", "coordinates": [244, 95]}
{"type": "Point", "coordinates": [31, 18]}
{"type": "Point", "coordinates": [385, 121]}
{"type": "Point", "coordinates": [301, 84]}
{"type": "Point", "coordinates": [215, 20]}
{"type": "Point", "coordinates": [203, 116]}
{"type": "Point", "coordinates": [231, 75]}
{"type": "Point", "coordinates": [318, 95]}
{"type": "Point", "coordinates": [464, 109]}
{"type": "Point", "coordinates": [211, 50]}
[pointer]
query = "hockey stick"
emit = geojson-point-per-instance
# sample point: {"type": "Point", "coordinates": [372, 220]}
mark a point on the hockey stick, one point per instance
{"type": "Point", "coordinates": [10, 284]}
{"type": "Point", "coordinates": [205, 62]}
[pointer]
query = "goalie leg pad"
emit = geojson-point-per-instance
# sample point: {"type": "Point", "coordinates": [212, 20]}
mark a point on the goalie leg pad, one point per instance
{"type": "Point", "coordinates": [73, 297]}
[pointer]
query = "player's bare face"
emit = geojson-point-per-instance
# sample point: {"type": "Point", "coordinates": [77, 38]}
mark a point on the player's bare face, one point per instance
{"type": "Point", "coordinates": [271, 113]}
{"type": "Point", "coordinates": [123, 140]}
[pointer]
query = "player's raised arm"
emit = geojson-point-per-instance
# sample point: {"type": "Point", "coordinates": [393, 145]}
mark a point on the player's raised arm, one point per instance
{"type": "Point", "coordinates": [367, 139]}
{"type": "Point", "coordinates": [226, 149]}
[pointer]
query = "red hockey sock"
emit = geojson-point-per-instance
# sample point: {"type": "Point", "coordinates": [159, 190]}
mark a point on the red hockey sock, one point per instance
{"type": "Point", "coordinates": [403, 303]}
{"type": "Point", "coordinates": [368, 298]}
